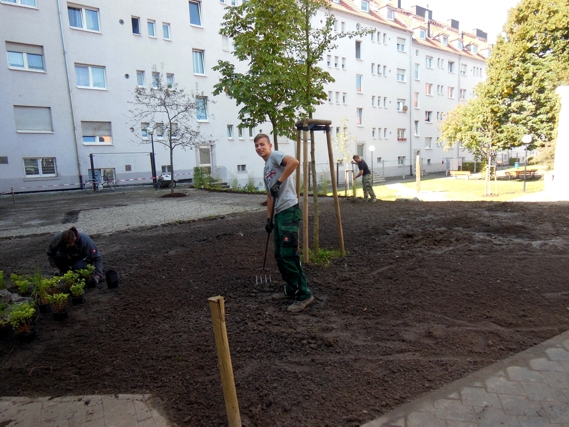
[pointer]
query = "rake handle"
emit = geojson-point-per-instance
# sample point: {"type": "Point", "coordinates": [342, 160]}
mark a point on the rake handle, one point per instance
{"type": "Point", "coordinates": [269, 234]}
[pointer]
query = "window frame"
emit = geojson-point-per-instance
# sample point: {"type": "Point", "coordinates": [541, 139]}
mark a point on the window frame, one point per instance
{"type": "Point", "coordinates": [229, 131]}
{"type": "Point", "coordinates": [358, 49]}
{"type": "Point", "coordinates": [429, 89]}
{"type": "Point", "coordinates": [198, 5]}
{"type": "Point", "coordinates": [166, 25]}
{"type": "Point", "coordinates": [84, 20]}
{"type": "Point", "coordinates": [40, 168]}
{"type": "Point", "coordinates": [200, 53]}
{"type": "Point", "coordinates": [359, 116]}
{"type": "Point", "coordinates": [96, 140]}
{"type": "Point", "coordinates": [136, 19]}
{"type": "Point", "coordinates": [201, 107]}
{"type": "Point", "coordinates": [20, 4]}
{"type": "Point", "coordinates": [400, 44]}
{"type": "Point", "coordinates": [401, 75]}
{"type": "Point", "coordinates": [151, 23]}
{"type": "Point", "coordinates": [26, 61]}
{"type": "Point", "coordinates": [359, 83]}
{"type": "Point", "coordinates": [90, 70]}
{"type": "Point", "coordinates": [140, 73]}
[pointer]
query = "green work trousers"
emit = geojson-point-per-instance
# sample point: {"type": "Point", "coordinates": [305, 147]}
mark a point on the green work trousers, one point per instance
{"type": "Point", "coordinates": [286, 253]}
{"type": "Point", "coordinates": [368, 188]}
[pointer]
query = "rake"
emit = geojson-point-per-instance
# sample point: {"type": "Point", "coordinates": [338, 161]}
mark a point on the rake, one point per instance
{"type": "Point", "coordinates": [264, 275]}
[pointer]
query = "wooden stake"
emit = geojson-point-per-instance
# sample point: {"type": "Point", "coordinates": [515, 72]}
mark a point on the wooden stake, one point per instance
{"type": "Point", "coordinates": [418, 174]}
{"type": "Point", "coordinates": [217, 308]}
{"type": "Point", "coordinates": [299, 157]}
{"type": "Point", "coordinates": [335, 192]}
{"type": "Point", "coordinates": [305, 256]}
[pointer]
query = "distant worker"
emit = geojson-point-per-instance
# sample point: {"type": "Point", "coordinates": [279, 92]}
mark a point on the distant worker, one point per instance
{"type": "Point", "coordinates": [369, 194]}
{"type": "Point", "coordinates": [74, 250]}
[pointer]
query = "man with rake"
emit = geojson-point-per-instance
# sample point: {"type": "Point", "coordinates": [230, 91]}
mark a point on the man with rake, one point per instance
{"type": "Point", "coordinates": [282, 204]}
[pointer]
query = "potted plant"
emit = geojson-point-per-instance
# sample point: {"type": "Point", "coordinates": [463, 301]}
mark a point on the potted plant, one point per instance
{"type": "Point", "coordinates": [2, 280]}
{"type": "Point", "coordinates": [21, 317]}
{"type": "Point", "coordinates": [67, 280]}
{"type": "Point", "coordinates": [87, 274]}
{"type": "Point", "coordinates": [22, 283]}
{"type": "Point", "coordinates": [5, 327]}
{"type": "Point", "coordinates": [77, 291]}
{"type": "Point", "coordinates": [43, 289]}
{"type": "Point", "coordinates": [59, 304]}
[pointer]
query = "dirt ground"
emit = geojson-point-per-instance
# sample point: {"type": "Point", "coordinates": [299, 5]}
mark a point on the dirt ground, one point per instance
{"type": "Point", "coordinates": [428, 293]}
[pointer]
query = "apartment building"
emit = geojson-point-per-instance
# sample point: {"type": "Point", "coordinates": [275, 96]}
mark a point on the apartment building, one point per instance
{"type": "Point", "coordinates": [71, 70]}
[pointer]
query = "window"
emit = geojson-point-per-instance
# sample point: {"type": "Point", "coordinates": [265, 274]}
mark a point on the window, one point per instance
{"type": "Point", "coordinates": [198, 61]}
{"type": "Point", "coordinates": [31, 3]}
{"type": "Point", "coordinates": [428, 116]}
{"type": "Point", "coordinates": [195, 13]}
{"type": "Point", "coordinates": [384, 38]}
{"type": "Point", "coordinates": [96, 132]}
{"type": "Point", "coordinates": [140, 78]}
{"type": "Point", "coordinates": [373, 101]}
{"type": "Point", "coordinates": [378, 70]}
{"type": "Point", "coordinates": [365, 7]}
{"type": "Point", "coordinates": [384, 133]}
{"type": "Point", "coordinates": [230, 131]}
{"type": "Point", "coordinates": [251, 132]}
{"type": "Point", "coordinates": [40, 167]}
{"type": "Point", "coordinates": [135, 25]}
{"type": "Point", "coordinates": [25, 56]}
{"type": "Point", "coordinates": [143, 131]}
{"type": "Point", "coordinates": [151, 28]}
{"type": "Point", "coordinates": [343, 63]}
{"type": "Point", "coordinates": [428, 88]}
{"type": "Point", "coordinates": [384, 102]}
{"type": "Point", "coordinates": [379, 101]}
{"type": "Point", "coordinates": [241, 168]}
{"type": "Point", "coordinates": [89, 76]}
{"type": "Point", "coordinates": [359, 83]}
{"type": "Point", "coordinates": [373, 68]}
{"type": "Point", "coordinates": [358, 49]}
{"type": "Point", "coordinates": [343, 27]}
{"type": "Point", "coordinates": [463, 69]}
{"type": "Point", "coordinates": [33, 119]}
{"type": "Point", "coordinates": [359, 116]}
{"type": "Point", "coordinates": [439, 62]}
{"type": "Point", "coordinates": [390, 15]}
{"type": "Point", "coordinates": [159, 130]}
{"type": "Point", "coordinates": [240, 133]}
{"type": "Point", "coordinates": [422, 34]}
{"type": "Point", "coordinates": [474, 49]}
{"type": "Point", "coordinates": [401, 105]}
{"type": "Point", "coordinates": [166, 31]}
{"type": "Point", "coordinates": [401, 160]}
{"type": "Point", "coordinates": [83, 18]}
{"type": "Point", "coordinates": [336, 63]}
{"type": "Point", "coordinates": [170, 80]}
{"type": "Point", "coordinates": [344, 98]}
{"type": "Point", "coordinates": [330, 96]}
{"type": "Point", "coordinates": [329, 60]}
{"type": "Point", "coordinates": [416, 72]}
{"type": "Point", "coordinates": [400, 44]}
{"type": "Point", "coordinates": [460, 45]}
{"type": "Point", "coordinates": [428, 142]}
{"type": "Point", "coordinates": [385, 70]}
{"type": "Point", "coordinates": [451, 67]}
{"type": "Point", "coordinates": [450, 92]}
{"type": "Point", "coordinates": [401, 135]}
{"type": "Point", "coordinates": [166, 168]}
{"type": "Point", "coordinates": [416, 100]}
{"type": "Point", "coordinates": [201, 108]}
{"type": "Point", "coordinates": [429, 62]}
{"type": "Point", "coordinates": [400, 75]}
{"type": "Point", "coordinates": [378, 36]}
{"type": "Point", "coordinates": [462, 93]}
{"type": "Point", "coordinates": [440, 89]}
{"type": "Point", "coordinates": [336, 26]}
{"type": "Point", "coordinates": [416, 128]}
{"type": "Point", "coordinates": [337, 132]}
{"type": "Point", "coordinates": [373, 133]}
{"type": "Point", "coordinates": [444, 40]}
{"type": "Point", "coordinates": [155, 80]}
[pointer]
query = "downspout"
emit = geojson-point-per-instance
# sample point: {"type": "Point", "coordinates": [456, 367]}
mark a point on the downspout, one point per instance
{"type": "Point", "coordinates": [412, 78]}
{"type": "Point", "coordinates": [70, 93]}
{"type": "Point", "coordinates": [458, 100]}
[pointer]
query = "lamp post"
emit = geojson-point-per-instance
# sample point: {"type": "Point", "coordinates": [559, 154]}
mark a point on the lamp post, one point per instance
{"type": "Point", "coordinates": [150, 131]}
{"type": "Point", "coordinates": [371, 150]}
{"type": "Point", "coordinates": [526, 140]}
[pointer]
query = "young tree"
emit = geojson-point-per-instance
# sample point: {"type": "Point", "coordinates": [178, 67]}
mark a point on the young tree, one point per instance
{"type": "Point", "coordinates": [345, 144]}
{"type": "Point", "coordinates": [174, 112]}
{"type": "Point", "coordinates": [266, 90]}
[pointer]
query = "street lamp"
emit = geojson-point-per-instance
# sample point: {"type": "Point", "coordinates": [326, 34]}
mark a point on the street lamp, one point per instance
{"type": "Point", "coordinates": [526, 140]}
{"type": "Point", "coordinates": [371, 150]}
{"type": "Point", "coordinates": [150, 131]}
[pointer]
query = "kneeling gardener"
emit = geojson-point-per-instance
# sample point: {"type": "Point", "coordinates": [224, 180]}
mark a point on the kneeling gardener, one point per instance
{"type": "Point", "coordinates": [278, 168]}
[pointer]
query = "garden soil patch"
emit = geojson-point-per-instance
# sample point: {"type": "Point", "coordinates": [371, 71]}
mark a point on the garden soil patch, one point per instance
{"type": "Point", "coordinates": [428, 293]}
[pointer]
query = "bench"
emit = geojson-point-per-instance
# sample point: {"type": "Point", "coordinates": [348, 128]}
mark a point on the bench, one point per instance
{"type": "Point", "coordinates": [460, 173]}
{"type": "Point", "coordinates": [520, 173]}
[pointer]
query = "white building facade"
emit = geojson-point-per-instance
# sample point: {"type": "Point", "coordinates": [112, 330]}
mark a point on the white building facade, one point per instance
{"type": "Point", "coordinates": [71, 68]}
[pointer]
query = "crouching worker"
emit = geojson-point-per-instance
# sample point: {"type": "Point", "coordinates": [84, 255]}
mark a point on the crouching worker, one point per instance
{"type": "Point", "coordinates": [73, 250]}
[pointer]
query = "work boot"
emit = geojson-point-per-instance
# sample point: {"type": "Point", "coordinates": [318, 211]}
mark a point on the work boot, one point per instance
{"type": "Point", "coordinates": [282, 295]}
{"type": "Point", "coordinates": [373, 200]}
{"type": "Point", "coordinates": [298, 306]}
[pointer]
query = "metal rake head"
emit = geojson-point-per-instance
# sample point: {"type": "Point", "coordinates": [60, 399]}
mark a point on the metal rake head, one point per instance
{"type": "Point", "coordinates": [264, 276]}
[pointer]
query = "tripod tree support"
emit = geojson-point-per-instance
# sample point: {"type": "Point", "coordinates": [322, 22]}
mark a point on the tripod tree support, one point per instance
{"type": "Point", "coordinates": [304, 126]}
{"type": "Point", "coordinates": [217, 308]}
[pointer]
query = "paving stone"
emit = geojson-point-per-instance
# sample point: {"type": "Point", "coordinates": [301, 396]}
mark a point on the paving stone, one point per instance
{"type": "Point", "coordinates": [492, 417]}
{"type": "Point", "coordinates": [501, 385]}
{"type": "Point", "coordinates": [557, 413]}
{"type": "Point", "coordinates": [460, 424]}
{"type": "Point", "coordinates": [119, 413]}
{"type": "Point", "coordinates": [557, 379]}
{"type": "Point", "coordinates": [422, 419]}
{"type": "Point", "coordinates": [543, 364]}
{"type": "Point", "coordinates": [472, 396]}
{"type": "Point", "coordinates": [534, 422]}
{"type": "Point", "coordinates": [453, 410]}
{"type": "Point", "coordinates": [99, 422]}
{"type": "Point", "coordinates": [517, 373]}
{"type": "Point", "coordinates": [142, 410]}
{"type": "Point", "coordinates": [149, 422]}
{"type": "Point", "coordinates": [543, 392]}
{"type": "Point", "coordinates": [521, 406]}
{"type": "Point", "coordinates": [559, 354]}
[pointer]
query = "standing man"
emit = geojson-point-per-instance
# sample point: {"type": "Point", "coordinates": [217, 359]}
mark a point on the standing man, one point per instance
{"type": "Point", "coordinates": [281, 191]}
{"type": "Point", "coordinates": [366, 178]}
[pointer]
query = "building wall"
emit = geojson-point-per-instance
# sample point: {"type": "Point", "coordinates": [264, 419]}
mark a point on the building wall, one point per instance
{"type": "Point", "coordinates": [122, 54]}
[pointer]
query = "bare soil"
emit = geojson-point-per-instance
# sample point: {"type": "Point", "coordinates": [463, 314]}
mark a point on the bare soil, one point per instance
{"type": "Point", "coordinates": [428, 293]}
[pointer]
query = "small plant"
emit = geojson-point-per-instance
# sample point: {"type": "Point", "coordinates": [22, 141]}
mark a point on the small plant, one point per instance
{"type": "Point", "coordinates": [58, 302]}
{"type": "Point", "coordinates": [199, 177]}
{"type": "Point", "coordinates": [250, 186]}
{"type": "Point", "coordinates": [2, 281]}
{"type": "Point", "coordinates": [45, 288]}
{"type": "Point", "coordinates": [234, 184]}
{"type": "Point", "coordinates": [324, 256]}
{"type": "Point", "coordinates": [87, 272]}
{"type": "Point", "coordinates": [3, 315]}
{"type": "Point", "coordinates": [78, 289]}
{"type": "Point", "coordinates": [22, 283]}
{"type": "Point", "coordinates": [69, 279]}
{"type": "Point", "coordinates": [21, 317]}
{"type": "Point", "coordinates": [323, 185]}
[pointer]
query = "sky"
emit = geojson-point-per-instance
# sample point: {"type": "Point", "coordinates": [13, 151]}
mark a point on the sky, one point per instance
{"type": "Point", "coordinates": [486, 15]}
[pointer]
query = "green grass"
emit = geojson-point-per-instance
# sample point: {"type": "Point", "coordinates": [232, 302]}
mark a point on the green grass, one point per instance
{"type": "Point", "coordinates": [460, 189]}
{"type": "Point", "coordinates": [324, 256]}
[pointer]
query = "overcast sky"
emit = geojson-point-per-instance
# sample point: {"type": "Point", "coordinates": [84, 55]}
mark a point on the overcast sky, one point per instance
{"type": "Point", "coordinates": [486, 15]}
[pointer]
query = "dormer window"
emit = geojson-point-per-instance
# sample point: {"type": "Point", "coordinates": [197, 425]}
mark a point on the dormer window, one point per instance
{"type": "Point", "coordinates": [460, 45]}
{"type": "Point", "coordinates": [365, 6]}
{"type": "Point", "coordinates": [444, 40]}
{"type": "Point", "coordinates": [422, 34]}
{"type": "Point", "coordinates": [391, 14]}
{"type": "Point", "coordinates": [474, 49]}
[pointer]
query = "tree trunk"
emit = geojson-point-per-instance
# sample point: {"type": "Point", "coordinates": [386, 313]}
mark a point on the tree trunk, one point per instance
{"type": "Point", "coordinates": [171, 170]}
{"type": "Point", "coordinates": [316, 237]}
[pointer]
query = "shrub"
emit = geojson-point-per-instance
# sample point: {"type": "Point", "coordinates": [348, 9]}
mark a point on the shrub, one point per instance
{"type": "Point", "coordinates": [58, 302]}
{"type": "Point", "coordinates": [21, 317]}
{"type": "Point", "coordinates": [45, 288]}
{"type": "Point", "coordinates": [22, 283]}
{"type": "Point", "coordinates": [69, 279]}
{"type": "Point", "coordinates": [78, 289]}
{"type": "Point", "coordinates": [87, 272]}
